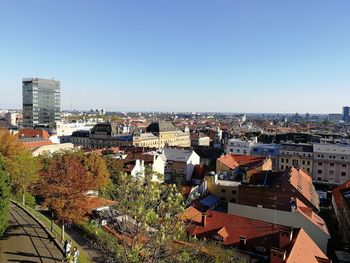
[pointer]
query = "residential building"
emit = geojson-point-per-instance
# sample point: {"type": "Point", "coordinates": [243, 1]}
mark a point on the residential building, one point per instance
{"type": "Point", "coordinates": [268, 150]}
{"type": "Point", "coordinates": [104, 135]}
{"type": "Point", "coordinates": [300, 216]}
{"type": "Point", "coordinates": [81, 138]}
{"type": "Point", "coordinates": [341, 205]}
{"type": "Point", "coordinates": [13, 118]}
{"type": "Point", "coordinates": [238, 146]}
{"type": "Point", "coordinates": [297, 155]}
{"type": "Point", "coordinates": [331, 163]}
{"type": "Point", "coordinates": [180, 164]}
{"type": "Point", "coordinates": [234, 165]}
{"type": "Point", "coordinates": [41, 102]}
{"type": "Point", "coordinates": [231, 171]}
{"type": "Point", "coordinates": [255, 241]}
{"type": "Point", "coordinates": [199, 140]}
{"type": "Point", "coordinates": [276, 190]}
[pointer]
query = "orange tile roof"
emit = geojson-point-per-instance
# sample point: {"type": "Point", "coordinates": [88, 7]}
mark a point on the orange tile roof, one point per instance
{"type": "Point", "coordinates": [191, 214]}
{"type": "Point", "coordinates": [94, 202]}
{"type": "Point", "coordinates": [235, 227]}
{"type": "Point", "coordinates": [36, 144]}
{"type": "Point", "coordinates": [302, 181]}
{"type": "Point", "coordinates": [27, 132]}
{"type": "Point", "coordinates": [336, 192]}
{"type": "Point", "coordinates": [304, 249]}
{"type": "Point", "coordinates": [233, 161]}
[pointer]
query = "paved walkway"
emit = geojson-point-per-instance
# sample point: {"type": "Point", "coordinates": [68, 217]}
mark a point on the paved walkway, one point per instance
{"type": "Point", "coordinates": [25, 241]}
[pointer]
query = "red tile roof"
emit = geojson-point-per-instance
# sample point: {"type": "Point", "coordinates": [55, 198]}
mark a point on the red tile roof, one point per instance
{"type": "Point", "coordinates": [30, 133]}
{"type": "Point", "coordinates": [336, 192]}
{"type": "Point", "coordinates": [233, 161]}
{"type": "Point", "coordinates": [233, 227]}
{"type": "Point", "coordinates": [36, 144]}
{"type": "Point", "coordinates": [94, 202]}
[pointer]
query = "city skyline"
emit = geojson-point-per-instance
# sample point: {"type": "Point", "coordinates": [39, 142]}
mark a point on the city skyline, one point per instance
{"type": "Point", "coordinates": [198, 56]}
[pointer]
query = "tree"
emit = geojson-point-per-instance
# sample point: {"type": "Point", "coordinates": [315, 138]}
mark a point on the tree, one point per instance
{"type": "Point", "coordinates": [18, 163]}
{"type": "Point", "coordinates": [64, 180]}
{"type": "Point", "coordinates": [149, 221]}
{"type": "Point", "coordinates": [115, 170]}
{"type": "Point", "coordinates": [4, 197]}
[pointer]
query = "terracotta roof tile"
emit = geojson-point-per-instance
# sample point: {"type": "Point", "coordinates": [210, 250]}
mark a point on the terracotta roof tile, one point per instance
{"type": "Point", "coordinates": [233, 161]}
{"type": "Point", "coordinates": [27, 132]}
{"type": "Point", "coordinates": [304, 249]}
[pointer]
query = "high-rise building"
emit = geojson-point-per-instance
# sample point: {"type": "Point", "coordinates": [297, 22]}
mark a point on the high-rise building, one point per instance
{"type": "Point", "coordinates": [346, 113]}
{"type": "Point", "coordinates": [41, 101]}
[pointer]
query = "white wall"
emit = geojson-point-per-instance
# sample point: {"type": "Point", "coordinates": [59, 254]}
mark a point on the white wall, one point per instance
{"type": "Point", "coordinates": [191, 163]}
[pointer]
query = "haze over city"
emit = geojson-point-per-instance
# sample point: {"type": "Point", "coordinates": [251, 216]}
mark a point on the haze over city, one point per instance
{"type": "Point", "coordinates": [228, 56]}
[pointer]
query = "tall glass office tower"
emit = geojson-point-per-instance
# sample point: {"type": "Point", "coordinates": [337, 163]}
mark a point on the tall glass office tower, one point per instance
{"type": "Point", "coordinates": [41, 102]}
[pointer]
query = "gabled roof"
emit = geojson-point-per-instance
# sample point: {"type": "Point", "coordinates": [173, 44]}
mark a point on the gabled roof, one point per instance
{"type": "Point", "coordinates": [304, 249]}
{"type": "Point", "coordinates": [233, 227]}
{"type": "Point", "coordinates": [233, 161]}
{"type": "Point", "coordinates": [30, 133]}
{"type": "Point", "coordinates": [302, 181]}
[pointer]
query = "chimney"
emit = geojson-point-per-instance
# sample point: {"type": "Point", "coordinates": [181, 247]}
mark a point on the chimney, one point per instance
{"type": "Point", "coordinates": [242, 240]}
{"type": "Point", "coordinates": [277, 255]}
{"type": "Point", "coordinates": [204, 219]}
{"type": "Point", "coordinates": [285, 238]}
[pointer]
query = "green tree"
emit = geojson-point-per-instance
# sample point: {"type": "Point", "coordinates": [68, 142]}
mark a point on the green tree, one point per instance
{"type": "Point", "coordinates": [149, 220]}
{"type": "Point", "coordinates": [115, 170]}
{"type": "Point", "coordinates": [4, 197]}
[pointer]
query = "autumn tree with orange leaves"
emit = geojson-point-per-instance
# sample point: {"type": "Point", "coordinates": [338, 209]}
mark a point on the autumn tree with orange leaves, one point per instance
{"type": "Point", "coordinates": [65, 178]}
{"type": "Point", "coordinates": [19, 164]}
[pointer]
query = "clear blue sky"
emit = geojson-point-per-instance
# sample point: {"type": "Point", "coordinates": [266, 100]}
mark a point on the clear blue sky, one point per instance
{"type": "Point", "coordinates": [182, 55]}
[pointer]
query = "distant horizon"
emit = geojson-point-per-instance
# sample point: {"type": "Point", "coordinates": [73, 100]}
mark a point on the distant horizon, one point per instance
{"type": "Point", "coordinates": [183, 112]}
{"type": "Point", "coordinates": [189, 56]}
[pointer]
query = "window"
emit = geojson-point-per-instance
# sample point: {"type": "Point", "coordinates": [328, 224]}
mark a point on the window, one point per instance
{"type": "Point", "coordinates": [234, 192]}
{"type": "Point", "coordinates": [282, 160]}
{"type": "Point", "coordinates": [343, 165]}
{"type": "Point", "coordinates": [303, 162]}
{"type": "Point", "coordinates": [233, 200]}
{"type": "Point", "coordinates": [282, 167]}
{"type": "Point", "coordinates": [320, 164]}
{"type": "Point", "coordinates": [223, 190]}
{"type": "Point", "coordinates": [331, 164]}
{"type": "Point", "coordinates": [287, 160]}
{"type": "Point", "coordinates": [343, 173]}
{"type": "Point", "coordinates": [295, 162]}
{"type": "Point", "coordinates": [308, 162]}
{"type": "Point", "coordinates": [319, 171]}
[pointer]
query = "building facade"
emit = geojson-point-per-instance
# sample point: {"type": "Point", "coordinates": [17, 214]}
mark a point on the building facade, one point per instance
{"type": "Point", "coordinates": [346, 113]}
{"type": "Point", "coordinates": [41, 102]}
{"type": "Point", "coordinates": [331, 163]}
{"type": "Point", "coordinates": [296, 155]}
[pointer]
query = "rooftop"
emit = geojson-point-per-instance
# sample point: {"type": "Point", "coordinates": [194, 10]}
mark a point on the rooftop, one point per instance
{"type": "Point", "coordinates": [233, 161]}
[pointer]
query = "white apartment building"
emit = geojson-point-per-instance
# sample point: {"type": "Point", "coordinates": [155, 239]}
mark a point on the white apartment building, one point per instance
{"type": "Point", "coordinates": [331, 163]}
{"type": "Point", "coordinates": [238, 146]}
